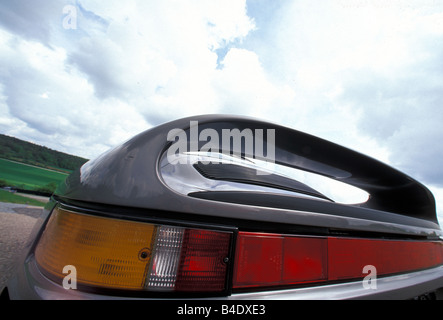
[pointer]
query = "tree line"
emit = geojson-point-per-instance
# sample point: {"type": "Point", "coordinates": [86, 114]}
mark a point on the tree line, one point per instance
{"type": "Point", "coordinates": [26, 152]}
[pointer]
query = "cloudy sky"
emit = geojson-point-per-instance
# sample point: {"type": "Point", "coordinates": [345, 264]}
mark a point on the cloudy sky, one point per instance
{"type": "Point", "coordinates": [83, 76]}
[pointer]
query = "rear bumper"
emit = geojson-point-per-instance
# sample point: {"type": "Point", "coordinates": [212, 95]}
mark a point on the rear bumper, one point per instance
{"type": "Point", "coordinates": [29, 284]}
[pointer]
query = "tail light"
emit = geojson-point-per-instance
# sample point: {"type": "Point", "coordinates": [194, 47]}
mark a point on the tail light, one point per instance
{"type": "Point", "coordinates": [120, 254]}
{"type": "Point", "coordinates": [132, 255]}
{"type": "Point", "coordinates": [269, 260]}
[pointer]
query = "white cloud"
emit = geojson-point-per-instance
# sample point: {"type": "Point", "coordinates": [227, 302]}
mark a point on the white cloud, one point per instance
{"type": "Point", "coordinates": [30, 20]}
{"type": "Point", "coordinates": [244, 86]}
{"type": "Point", "coordinates": [121, 71]}
{"type": "Point", "coordinates": [159, 57]}
{"type": "Point", "coordinates": [363, 74]}
{"type": "Point", "coordinates": [366, 69]}
{"type": "Point", "coordinates": [52, 104]}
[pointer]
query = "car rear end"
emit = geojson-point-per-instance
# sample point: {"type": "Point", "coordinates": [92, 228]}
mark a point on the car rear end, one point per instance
{"type": "Point", "coordinates": [217, 220]}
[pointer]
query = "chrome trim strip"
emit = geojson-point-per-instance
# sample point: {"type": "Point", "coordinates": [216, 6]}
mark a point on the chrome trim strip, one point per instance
{"type": "Point", "coordinates": [405, 286]}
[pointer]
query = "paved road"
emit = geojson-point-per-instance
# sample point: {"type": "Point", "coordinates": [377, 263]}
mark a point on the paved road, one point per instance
{"type": "Point", "coordinates": [16, 223]}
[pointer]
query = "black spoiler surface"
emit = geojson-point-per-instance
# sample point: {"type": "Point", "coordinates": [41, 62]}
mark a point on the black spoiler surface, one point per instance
{"type": "Point", "coordinates": [128, 174]}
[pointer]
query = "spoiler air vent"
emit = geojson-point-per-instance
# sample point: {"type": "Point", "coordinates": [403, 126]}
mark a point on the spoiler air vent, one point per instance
{"type": "Point", "coordinates": [241, 174]}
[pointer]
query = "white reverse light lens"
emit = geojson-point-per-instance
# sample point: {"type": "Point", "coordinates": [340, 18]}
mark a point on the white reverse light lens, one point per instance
{"type": "Point", "coordinates": [163, 272]}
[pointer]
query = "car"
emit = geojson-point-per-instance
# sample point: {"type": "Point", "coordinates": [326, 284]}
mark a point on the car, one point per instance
{"type": "Point", "coordinates": [233, 208]}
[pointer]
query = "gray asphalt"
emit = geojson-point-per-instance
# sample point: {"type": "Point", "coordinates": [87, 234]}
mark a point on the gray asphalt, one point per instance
{"type": "Point", "coordinates": [16, 223]}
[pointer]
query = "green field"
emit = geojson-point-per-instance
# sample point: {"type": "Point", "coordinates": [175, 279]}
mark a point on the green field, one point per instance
{"type": "Point", "coordinates": [29, 177]}
{"type": "Point", "coordinates": [6, 196]}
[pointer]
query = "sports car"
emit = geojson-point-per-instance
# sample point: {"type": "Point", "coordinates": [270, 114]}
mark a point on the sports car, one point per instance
{"type": "Point", "coordinates": [232, 208]}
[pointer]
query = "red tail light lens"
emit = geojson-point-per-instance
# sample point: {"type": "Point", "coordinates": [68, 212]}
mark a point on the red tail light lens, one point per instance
{"type": "Point", "coordinates": [269, 260]}
{"type": "Point", "coordinates": [347, 257]}
{"type": "Point", "coordinates": [274, 260]}
{"type": "Point", "coordinates": [202, 261]}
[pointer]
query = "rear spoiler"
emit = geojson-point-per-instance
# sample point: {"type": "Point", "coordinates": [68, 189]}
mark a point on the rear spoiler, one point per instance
{"type": "Point", "coordinates": [389, 189]}
{"type": "Point", "coordinates": [128, 174]}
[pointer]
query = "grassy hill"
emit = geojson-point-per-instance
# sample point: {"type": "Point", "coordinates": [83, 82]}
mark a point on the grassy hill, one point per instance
{"type": "Point", "coordinates": [30, 167]}
{"type": "Point", "coordinates": [29, 153]}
